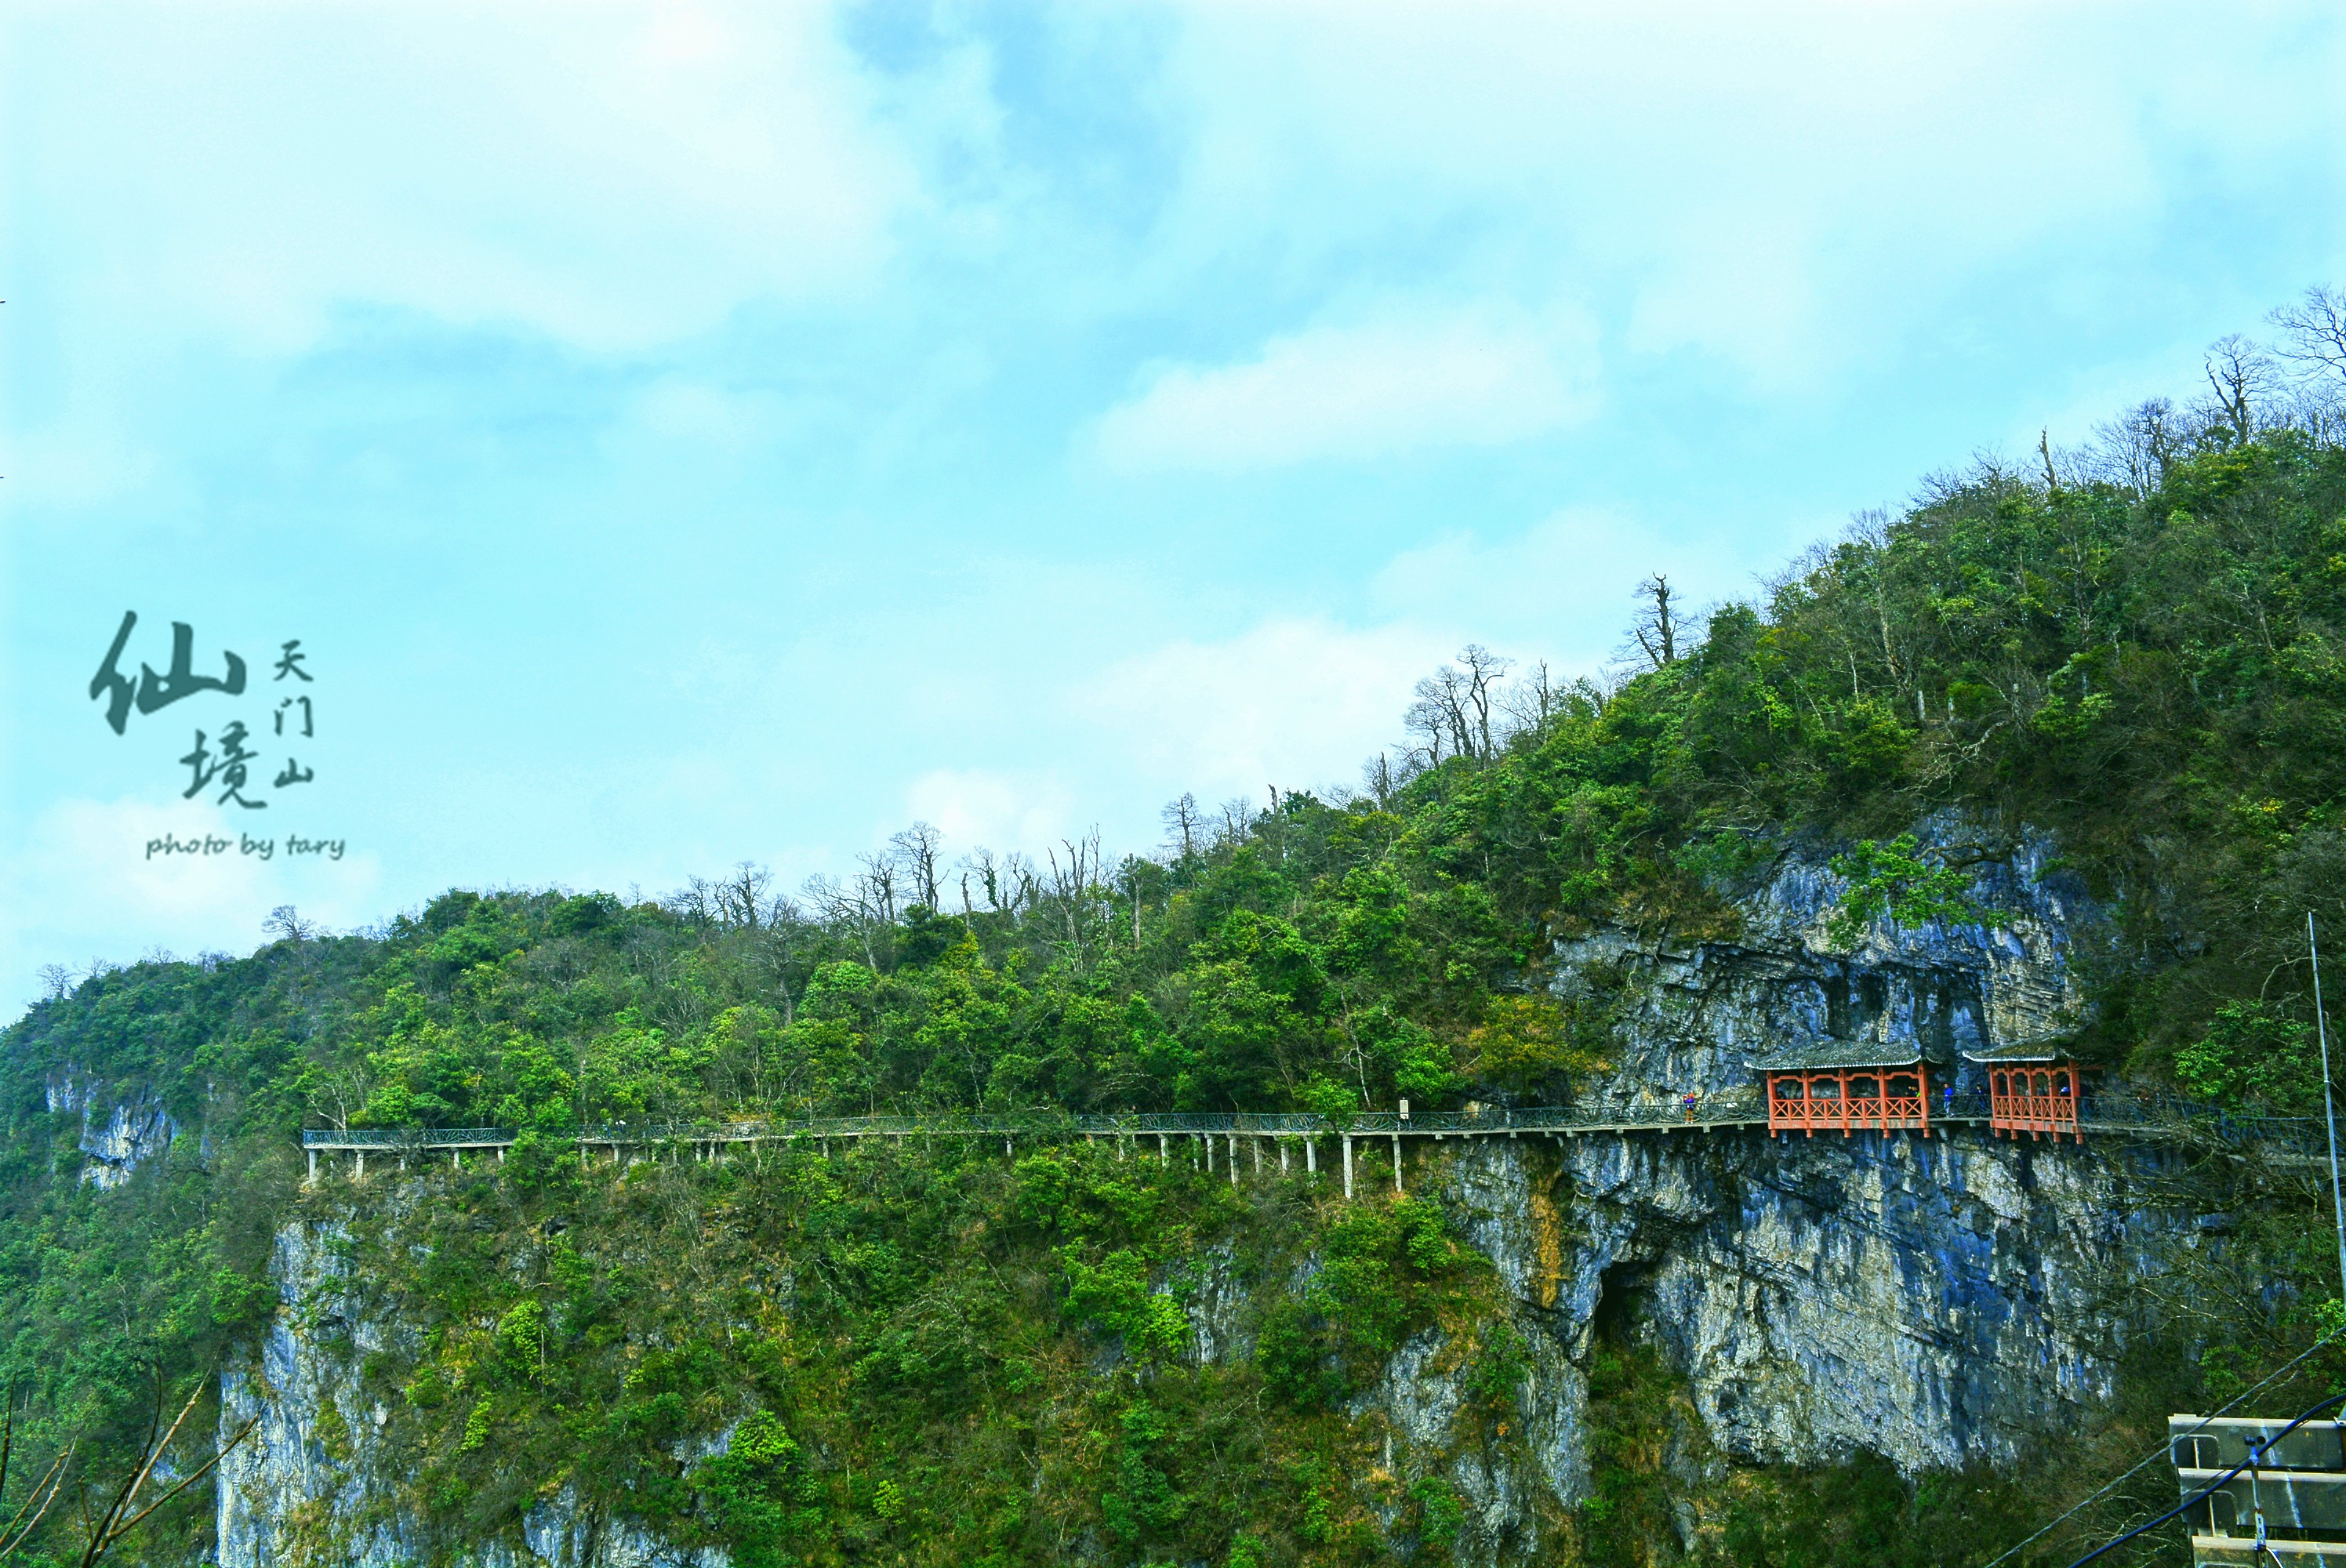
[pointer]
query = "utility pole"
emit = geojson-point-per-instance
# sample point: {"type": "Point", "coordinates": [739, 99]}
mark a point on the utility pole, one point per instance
{"type": "Point", "coordinates": [2329, 1105]}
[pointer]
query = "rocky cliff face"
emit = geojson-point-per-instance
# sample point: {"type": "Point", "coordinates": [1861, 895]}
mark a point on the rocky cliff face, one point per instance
{"type": "Point", "coordinates": [305, 1487]}
{"type": "Point", "coordinates": [1691, 1015]}
{"type": "Point", "coordinates": [1936, 1301]}
{"type": "Point", "coordinates": [117, 1135]}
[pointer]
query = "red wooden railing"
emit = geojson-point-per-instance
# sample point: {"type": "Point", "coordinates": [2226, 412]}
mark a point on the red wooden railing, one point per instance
{"type": "Point", "coordinates": [2040, 1102]}
{"type": "Point", "coordinates": [1846, 1101]}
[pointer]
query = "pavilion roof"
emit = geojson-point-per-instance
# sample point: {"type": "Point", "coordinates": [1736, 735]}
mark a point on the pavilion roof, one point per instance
{"type": "Point", "coordinates": [1817, 1056]}
{"type": "Point", "coordinates": [2052, 1049]}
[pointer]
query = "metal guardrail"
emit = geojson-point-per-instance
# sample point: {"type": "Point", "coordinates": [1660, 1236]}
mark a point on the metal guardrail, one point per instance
{"type": "Point", "coordinates": [409, 1138]}
{"type": "Point", "coordinates": [2164, 1116]}
{"type": "Point", "coordinates": [2149, 1115]}
{"type": "Point", "coordinates": [1734, 1109]}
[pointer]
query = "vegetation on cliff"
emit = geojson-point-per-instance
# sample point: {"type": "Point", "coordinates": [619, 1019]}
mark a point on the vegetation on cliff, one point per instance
{"type": "Point", "coordinates": [937, 1353]}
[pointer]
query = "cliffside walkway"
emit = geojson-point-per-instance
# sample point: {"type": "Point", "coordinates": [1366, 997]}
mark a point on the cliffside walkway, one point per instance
{"type": "Point", "coordinates": [2134, 1119]}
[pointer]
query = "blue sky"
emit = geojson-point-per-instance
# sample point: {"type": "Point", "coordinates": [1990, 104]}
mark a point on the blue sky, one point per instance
{"type": "Point", "coordinates": [683, 434]}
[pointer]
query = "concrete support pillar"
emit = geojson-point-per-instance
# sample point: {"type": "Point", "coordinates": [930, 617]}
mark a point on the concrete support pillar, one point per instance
{"type": "Point", "coordinates": [455, 1159]}
{"type": "Point", "coordinates": [1207, 1139]}
{"type": "Point", "coordinates": [1254, 1147]}
{"type": "Point", "coordinates": [1348, 1167]}
{"type": "Point", "coordinates": [360, 1173]}
{"type": "Point", "coordinates": [1005, 1148]}
{"type": "Point", "coordinates": [1233, 1151]}
{"type": "Point", "coordinates": [1311, 1155]}
{"type": "Point", "coordinates": [314, 1168]}
{"type": "Point", "coordinates": [500, 1154]}
{"type": "Point", "coordinates": [1123, 1149]}
{"type": "Point", "coordinates": [826, 1149]}
{"type": "Point", "coordinates": [1164, 1150]}
{"type": "Point", "coordinates": [1282, 1156]}
{"type": "Point", "coordinates": [1396, 1137]}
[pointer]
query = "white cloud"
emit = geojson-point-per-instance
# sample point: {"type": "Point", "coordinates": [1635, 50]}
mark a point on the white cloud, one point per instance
{"type": "Point", "coordinates": [614, 175]}
{"type": "Point", "coordinates": [1789, 190]}
{"type": "Point", "coordinates": [1563, 588]}
{"type": "Point", "coordinates": [1288, 702]}
{"type": "Point", "coordinates": [92, 879]}
{"type": "Point", "coordinates": [999, 809]}
{"type": "Point", "coordinates": [1404, 382]}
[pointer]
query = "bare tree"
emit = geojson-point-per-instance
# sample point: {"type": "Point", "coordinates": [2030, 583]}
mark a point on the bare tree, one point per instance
{"type": "Point", "coordinates": [286, 924]}
{"type": "Point", "coordinates": [56, 979]}
{"type": "Point", "coordinates": [1428, 718]}
{"type": "Point", "coordinates": [981, 863]}
{"type": "Point", "coordinates": [341, 1095]}
{"type": "Point", "coordinates": [19, 1528]}
{"type": "Point", "coordinates": [1236, 823]}
{"type": "Point", "coordinates": [1131, 869]}
{"type": "Point", "coordinates": [2242, 377]}
{"type": "Point", "coordinates": [786, 925]}
{"type": "Point", "coordinates": [845, 906]}
{"type": "Point", "coordinates": [105, 1525]}
{"type": "Point", "coordinates": [827, 896]}
{"type": "Point", "coordinates": [2135, 449]}
{"type": "Point", "coordinates": [695, 903]}
{"type": "Point", "coordinates": [1024, 889]}
{"type": "Point", "coordinates": [2044, 461]}
{"type": "Point", "coordinates": [1442, 713]}
{"type": "Point", "coordinates": [1656, 627]}
{"type": "Point", "coordinates": [1382, 780]}
{"type": "Point", "coordinates": [1008, 880]}
{"type": "Point", "coordinates": [879, 886]}
{"type": "Point", "coordinates": [740, 900]}
{"type": "Point", "coordinates": [916, 850]}
{"type": "Point", "coordinates": [1071, 883]}
{"type": "Point", "coordinates": [1533, 698]}
{"type": "Point", "coordinates": [1185, 826]}
{"type": "Point", "coordinates": [1482, 672]}
{"type": "Point", "coordinates": [2313, 333]}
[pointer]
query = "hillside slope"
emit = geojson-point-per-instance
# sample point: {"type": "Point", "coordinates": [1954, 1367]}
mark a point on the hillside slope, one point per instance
{"type": "Point", "coordinates": [936, 1354]}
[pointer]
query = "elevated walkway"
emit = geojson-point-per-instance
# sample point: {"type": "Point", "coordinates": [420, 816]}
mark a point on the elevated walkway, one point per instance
{"type": "Point", "coordinates": [2281, 1139]}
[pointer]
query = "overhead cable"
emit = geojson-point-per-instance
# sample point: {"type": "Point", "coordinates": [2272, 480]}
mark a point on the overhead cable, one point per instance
{"type": "Point", "coordinates": [2213, 1487]}
{"type": "Point", "coordinates": [2166, 1449]}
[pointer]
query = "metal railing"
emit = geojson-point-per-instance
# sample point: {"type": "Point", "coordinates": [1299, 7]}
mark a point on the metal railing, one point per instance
{"type": "Point", "coordinates": [1732, 1109]}
{"type": "Point", "coordinates": [398, 1139]}
{"type": "Point", "coordinates": [2146, 1115]}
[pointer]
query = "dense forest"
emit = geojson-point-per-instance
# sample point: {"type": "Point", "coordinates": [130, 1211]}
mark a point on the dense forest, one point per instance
{"type": "Point", "coordinates": [947, 1357]}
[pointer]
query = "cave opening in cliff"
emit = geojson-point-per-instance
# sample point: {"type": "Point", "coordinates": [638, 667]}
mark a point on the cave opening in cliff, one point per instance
{"type": "Point", "coordinates": [1624, 1293]}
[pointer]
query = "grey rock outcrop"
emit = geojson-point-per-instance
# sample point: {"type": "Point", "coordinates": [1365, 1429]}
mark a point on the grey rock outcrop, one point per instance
{"type": "Point", "coordinates": [117, 1135]}
{"type": "Point", "coordinates": [1936, 1301]}
{"type": "Point", "coordinates": [1691, 1014]}
{"type": "Point", "coordinates": [304, 1486]}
